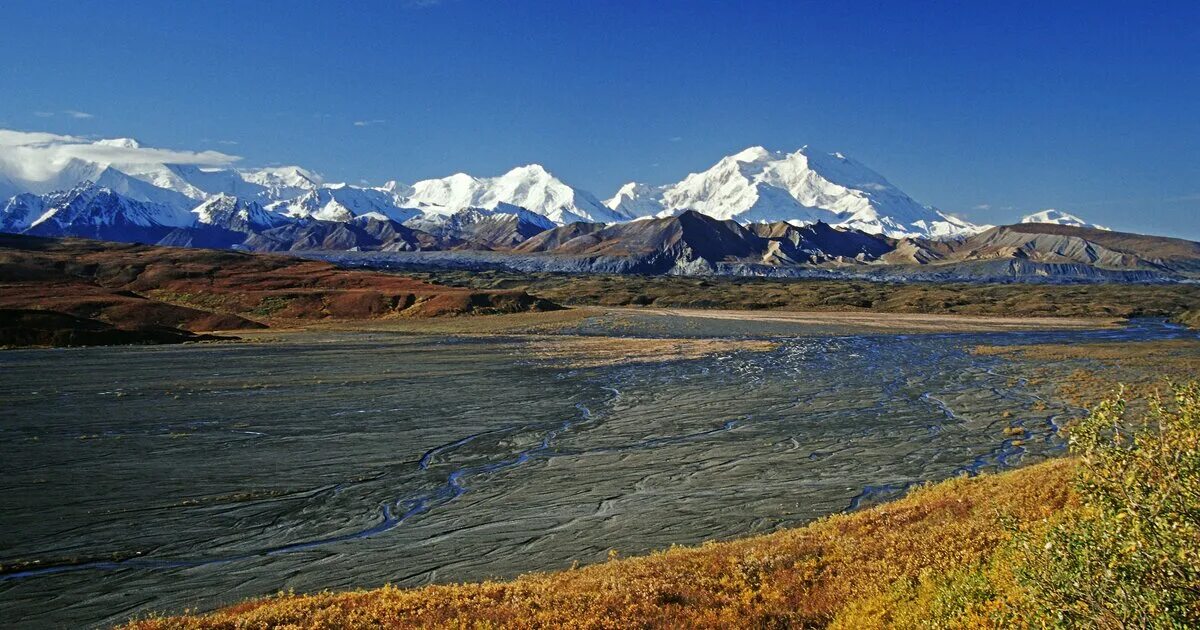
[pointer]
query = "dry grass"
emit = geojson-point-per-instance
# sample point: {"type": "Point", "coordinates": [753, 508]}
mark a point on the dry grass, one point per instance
{"type": "Point", "coordinates": [792, 578]}
{"type": "Point", "coordinates": [1143, 367]}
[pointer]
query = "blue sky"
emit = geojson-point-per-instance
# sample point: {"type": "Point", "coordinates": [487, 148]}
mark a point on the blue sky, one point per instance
{"type": "Point", "coordinates": [989, 110]}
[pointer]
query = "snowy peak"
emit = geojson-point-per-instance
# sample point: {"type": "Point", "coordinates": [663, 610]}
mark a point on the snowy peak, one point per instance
{"type": "Point", "coordinates": [342, 202]}
{"type": "Point", "coordinates": [753, 154]}
{"type": "Point", "coordinates": [805, 186]}
{"type": "Point", "coordinates": [282, 180]}
{"type": "Point", "coordinates": [95, 211]}
{"type": "Point", "coordinates": [1058, 217]}
{"type": "Point", "coordinates": [232, 213]}
{"type": "Point", "coordinates": [43, 163]}
{"type": "Point", "coordinates": [263, 185]}
{"type": "Point", "coordinates": [635, 200]}
{"type": "Point", "coordinates": [531, 187]}
{"type": "Point", "coordinates": [396, 188]}
{"type": "Point", "coordinates": [505, 226]}
{"type": "Point", "coordinates": [124, 143]}
{"type": "Point", "coordinates": [528, 172]}
{"type": "Point", "coordinates": [20, 211]}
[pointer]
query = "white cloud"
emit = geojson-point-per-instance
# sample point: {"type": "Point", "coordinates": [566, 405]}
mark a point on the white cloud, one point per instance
{"type": "Point", "coordinates": [78, 114]}
{"type": "Point", "coordinates": [368, 123]}
{"type": "Point", "coordinates": [983, 206]}
{"type": "Point", "coordinates": [38, 156]}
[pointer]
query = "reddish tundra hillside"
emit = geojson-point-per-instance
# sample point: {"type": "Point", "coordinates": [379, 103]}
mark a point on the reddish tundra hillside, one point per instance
{"type": "Point", "coordinates": [80, 292]}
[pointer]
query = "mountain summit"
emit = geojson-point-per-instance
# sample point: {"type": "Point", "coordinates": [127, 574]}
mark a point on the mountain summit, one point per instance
{"type": "Point", "coordinates": [1058, 217]}
{"type": "Point", "coordinates": [531, 187]}
{"type": "Point", "coordinates": [808, 185]}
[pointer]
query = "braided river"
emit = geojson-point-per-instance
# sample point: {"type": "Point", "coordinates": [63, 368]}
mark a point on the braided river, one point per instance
{"type": "Point", "coordinates": [141, 479]}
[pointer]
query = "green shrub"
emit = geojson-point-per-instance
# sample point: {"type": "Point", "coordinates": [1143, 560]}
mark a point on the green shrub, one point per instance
{"type": "Point", "coordinates": [1129, 556]}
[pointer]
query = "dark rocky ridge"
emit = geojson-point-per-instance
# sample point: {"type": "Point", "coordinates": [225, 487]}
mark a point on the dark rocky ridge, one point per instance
{"type": "Point", "coordinates": [695, 244]}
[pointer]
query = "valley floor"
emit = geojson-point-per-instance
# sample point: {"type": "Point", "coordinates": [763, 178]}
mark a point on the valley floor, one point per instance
{"type": "Point", "coordinates": [946, 553]}
{"type": "Point", "coordinates": [512, 443]}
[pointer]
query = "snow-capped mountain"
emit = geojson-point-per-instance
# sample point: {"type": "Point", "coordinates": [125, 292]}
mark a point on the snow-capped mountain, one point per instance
{"type": "Point", "coordinates": [530, 187]}
{"type": "Point", "coordinates": [468, 216]}
{"type": "Point", "coordinates": [43, 163]}
{"type": "Point", "coordinates": [1058, 217]}
{"type": "Point", "coordinates": [283, 181]}
{"type": "Point", "coordinates": [18, 213]}
{"type": "Point", "coordinates": [504, 226]}
{"type": "Point", "coordinates": [636, 200]}
{"type": "Point", "coordinates": [262, 185]}
{"type": "Point", "coordinates": [342, 202]}
{"type": "Point", "coordinates": [235, 214]}
{"type": "Point", "coordinates": [203, 189]}
{"type": "Point", "coordinates": [757, 185]}
{"type": "Point", "coordinates": [749, 186]}
{"type": "Point", "coordinates": [92, 211]}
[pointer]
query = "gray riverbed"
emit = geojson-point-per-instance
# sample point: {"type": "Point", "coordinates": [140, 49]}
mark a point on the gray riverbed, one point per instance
{"type": "Point", "coordinates": [142, 479]}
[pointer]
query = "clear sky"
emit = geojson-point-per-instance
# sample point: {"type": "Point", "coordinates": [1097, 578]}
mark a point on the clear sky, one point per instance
{"type": "Point", "coordinates": [985, 109]}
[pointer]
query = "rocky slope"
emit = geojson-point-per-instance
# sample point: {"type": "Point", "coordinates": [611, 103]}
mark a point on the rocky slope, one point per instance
{"type": "Point", "coordinates": [692, 243]}
{"type": "Point", "coordinates": [1046, 243]}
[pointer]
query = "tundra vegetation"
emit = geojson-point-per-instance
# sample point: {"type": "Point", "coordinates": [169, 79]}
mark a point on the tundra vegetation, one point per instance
{"type": "Point", "coordinates": [1108, 537]}
{"type": "Point", "coordinates": [1172, 301]}
{"type": "Point", "coordinates": [73, 292]}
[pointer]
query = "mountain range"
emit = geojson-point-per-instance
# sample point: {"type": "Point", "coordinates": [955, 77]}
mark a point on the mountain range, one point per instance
{"type": "Point", "coordinates": [693, 243]}
{"type": "Point", "coordinates": [757, 212]}
{"type": "Point", "coordinates": [754, 185]}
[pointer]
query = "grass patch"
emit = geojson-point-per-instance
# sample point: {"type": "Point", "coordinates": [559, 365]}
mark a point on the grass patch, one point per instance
{"type": "Point", "coordinates": [216, 302]}
{"type": "Point", "coordinates": [270, 305]}
{"type": "Point", "coordinates": [1144, 367]}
